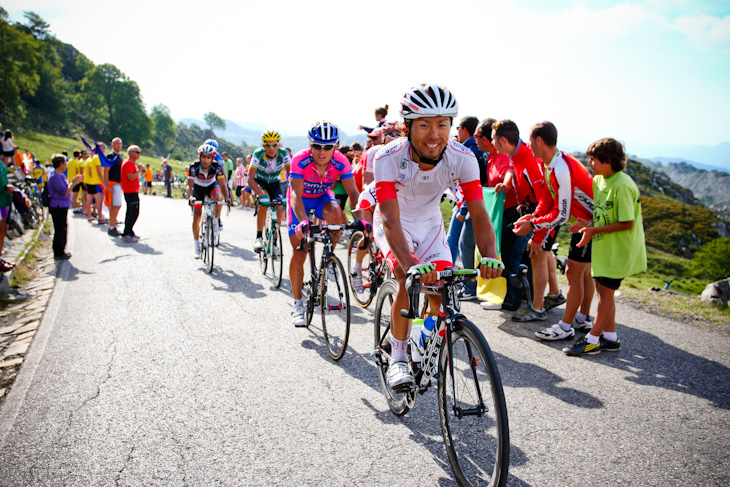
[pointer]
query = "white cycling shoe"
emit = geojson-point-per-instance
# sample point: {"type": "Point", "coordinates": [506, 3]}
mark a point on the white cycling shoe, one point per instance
{"type": "Point", "coordinates": [399, 375]}
{"type": "Point", "coordinates": [197, 249]}
{"type": "Point", "coordinates": [356, 279]}
{"type": "Point", "coordinates": [297, 316]}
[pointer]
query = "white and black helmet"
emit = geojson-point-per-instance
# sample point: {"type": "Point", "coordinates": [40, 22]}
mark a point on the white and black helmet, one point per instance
{"type": "Point", "coordinates": [428, 101]}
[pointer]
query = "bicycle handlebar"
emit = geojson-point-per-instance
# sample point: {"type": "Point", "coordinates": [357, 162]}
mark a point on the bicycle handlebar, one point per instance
{"type": "Point", "coordinates": [314, 229]}
{"type": "Point", "coordinates": [413, 286]}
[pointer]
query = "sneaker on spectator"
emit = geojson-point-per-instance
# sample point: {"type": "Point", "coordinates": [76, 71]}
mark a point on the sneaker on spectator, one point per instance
{"type": "Point", "coordinates": [610, 346]}
{"type": "Point", "coordinates": [113, 232]}
{"type": "Point", "coordinates": [297, 316]}
{"type": "Point", "coordinates": [128, 238]}
{"type": "Point", "coordinates": [554, 332]}
{"type": "Point", "coordinates": [586, 326]}
{"type": "Point", "coordinates": [467, 295]}
{"type": "Point", "coordinates": [529, 314]}
{"type": "Point", "coordinates": [490, 305]}
{"type": "Point", "coordinates": [554, 301]}
{"type": "Point", "coordinates": [582, 347]}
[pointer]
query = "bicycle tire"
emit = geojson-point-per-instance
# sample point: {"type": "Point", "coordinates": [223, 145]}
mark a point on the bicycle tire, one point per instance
{"type": "Point", "coordinates": [477, 444]}
{"type": "Point", "coordinates": [203, 242]}
{"type": "Point", "coordinates": [263, 256]}
{"type": "Point", "coordinates": [277, 255]}
{"type": "Point", "coordinates": [364, 298]}
{"type": "Point", "coordinates": [211, 247]}
{"type": "Point", "coordinates": [334, 305]}
{"type": "Point", "coordinates": [397, 403]}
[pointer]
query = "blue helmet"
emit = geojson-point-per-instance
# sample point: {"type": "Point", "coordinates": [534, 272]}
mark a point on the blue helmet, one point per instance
{"type": "Point", "coordinates": [212, 142]}
{"type": "Point", "coordinates": [324, 133]}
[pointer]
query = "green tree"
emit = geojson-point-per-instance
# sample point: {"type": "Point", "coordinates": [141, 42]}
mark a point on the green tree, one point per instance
{"type": "Point", "coordinates": [20, 54]}
{"type": "Point", "coordinates": [712, 261]}
{"type": "Point", "coordinates": [38, 27]}
{"type": "Point", "coordinates": [164, 127]}
{"type": "Point", "coordinates": [214, 121]}
{"type": "Point", "coordinates": [114, 101]}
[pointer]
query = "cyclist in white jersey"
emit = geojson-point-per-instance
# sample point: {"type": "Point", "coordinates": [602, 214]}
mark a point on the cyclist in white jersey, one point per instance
{"type": "Point", "coordinates": [410, 177]}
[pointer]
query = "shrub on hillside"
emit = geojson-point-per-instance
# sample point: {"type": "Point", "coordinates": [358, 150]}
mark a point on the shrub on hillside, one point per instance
{"type": "Point", "coordinates": [712, 261]}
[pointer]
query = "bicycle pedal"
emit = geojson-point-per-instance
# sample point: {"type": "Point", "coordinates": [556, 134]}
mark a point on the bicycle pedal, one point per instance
{"type": "Point", "coordinates": [403, 388]}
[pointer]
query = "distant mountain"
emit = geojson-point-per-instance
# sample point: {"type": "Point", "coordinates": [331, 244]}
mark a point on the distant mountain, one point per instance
{"type": "Point", "coordinates": [711, 187]}
{"type": "Point", "coordinates": [678, 160]}
{"type": "Point", "coordinates": [701, 156]}
{"type": "Point", "coordinates": [250, 134]}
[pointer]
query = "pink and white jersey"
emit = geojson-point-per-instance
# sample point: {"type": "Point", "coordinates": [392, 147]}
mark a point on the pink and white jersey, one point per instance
{"type": "Point", "coordinates": [303, 167]}
{"type": "Point", "coordinates": [419, 192]}
{"type": "Point", "coordinates": [367, 200]}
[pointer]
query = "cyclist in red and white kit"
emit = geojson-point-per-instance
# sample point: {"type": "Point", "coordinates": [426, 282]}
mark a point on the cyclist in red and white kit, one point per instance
{"type": "Point", "coordinates": [410, 177]}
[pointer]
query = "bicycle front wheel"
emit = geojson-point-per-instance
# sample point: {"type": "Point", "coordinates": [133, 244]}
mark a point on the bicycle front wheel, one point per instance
{"type": "Point", "coordinates": [277, 254]}
{"type": "Point", "coordinates": [203, 242]}
{"type": "Point", "coordinates": [364, 296]}
{"type": "Point", "coordinates": [383, 309]}
{"type": "Point", "coordinates": [334, 303]}
{"type": "Point", "coordinates": [209, 242]}
{"type": "Point", "coordinates": [472, 409]}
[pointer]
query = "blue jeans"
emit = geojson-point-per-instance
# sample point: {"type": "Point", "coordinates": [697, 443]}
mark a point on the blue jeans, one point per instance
{"type": "Point", "coordinates": [466, 246]}
{"type": "Point", "coordinates": [454, 235]}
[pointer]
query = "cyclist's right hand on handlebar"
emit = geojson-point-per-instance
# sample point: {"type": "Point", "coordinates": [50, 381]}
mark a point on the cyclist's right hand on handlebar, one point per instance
{"type": "Point", "coordinates": [427, 273]}
{"type": "Point", "coordinates": [191, 200]}
{"type": "Point", "coordinates": [302, 229]}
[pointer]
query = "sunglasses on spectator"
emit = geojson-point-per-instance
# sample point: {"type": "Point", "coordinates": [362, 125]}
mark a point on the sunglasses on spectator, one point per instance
{"type": "Point", "coordinates": [138, 152]}
{"type": "Point", "coordinates": [271, 146]}
{"type": "Point", "coordinates": [325, 147]}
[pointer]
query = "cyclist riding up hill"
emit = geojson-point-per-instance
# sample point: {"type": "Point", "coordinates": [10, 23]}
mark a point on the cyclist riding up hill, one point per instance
{"type": "Point", "coordinates": [410, 177]}
{"type": "Point", "coordinates": [206, 179]}
{"type": "Point", "coordinates": [313, 173]}
{"type": "Point", "coordinates": [267, 162]}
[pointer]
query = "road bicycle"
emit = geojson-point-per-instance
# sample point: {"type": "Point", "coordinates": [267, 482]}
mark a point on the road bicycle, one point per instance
{"type": "Point", "coordinates": [207, 237]}
{"type": "Point", "coordinates": [374, 269]}
{"type": "Point", "coordinates": [471, 403]}
{"type": "Point", "coordinates": [327, 288]}
{"type": "Point", "coordinates": [271, 238]}
{"type": "Point", "coordinates": [560, 260]}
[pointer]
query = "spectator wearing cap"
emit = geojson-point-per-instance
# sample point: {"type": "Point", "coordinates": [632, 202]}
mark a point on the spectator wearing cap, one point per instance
{"type": "Point", "coordinates": [130, 185]}
{"type": "Point", "coordinates": [59, 190]}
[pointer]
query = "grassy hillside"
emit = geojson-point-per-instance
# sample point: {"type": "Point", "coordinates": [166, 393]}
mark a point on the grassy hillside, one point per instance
{"type": "Point", "coordinates": [44, 146]}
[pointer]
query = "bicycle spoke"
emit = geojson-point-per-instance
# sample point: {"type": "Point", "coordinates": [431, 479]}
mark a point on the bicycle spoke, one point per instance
{"type": "Point", "coordinates": [335, 308]}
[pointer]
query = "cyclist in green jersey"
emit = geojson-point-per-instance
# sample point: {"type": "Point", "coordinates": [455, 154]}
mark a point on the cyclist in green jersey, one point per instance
{"type": "Point", "coordinates": [267, 163]}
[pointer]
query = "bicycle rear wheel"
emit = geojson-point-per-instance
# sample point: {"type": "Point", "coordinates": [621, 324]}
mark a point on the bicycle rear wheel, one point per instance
{"type": "Point", "coordinates": [334, 303]}
{"type": "Point", "coordinates": [472, 409]}
{"type": "Point", "coordinates": [383, 309]}
{"type": "Point", "coordinates": [211, 248]}
{"type": "Point", "coordinates": [277, 254]}
{"type": "Point", "coordinates": [364, 298]}
{"type": "Point", "coordinates": [263, 255]}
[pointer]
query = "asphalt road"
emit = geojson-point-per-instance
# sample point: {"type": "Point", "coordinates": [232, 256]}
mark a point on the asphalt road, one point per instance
{"type": "Point", "coordinates": [146, 370]}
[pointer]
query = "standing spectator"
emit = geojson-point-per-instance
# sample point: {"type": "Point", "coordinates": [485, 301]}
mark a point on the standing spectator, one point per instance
{"type": "Point", "coordinates": [500, 177]}
{"type": "Point", "coordinates": [533, 197]}
{"type": "Point", "coordinates": [93, 181]}
{"type": "Point", "coordinates": [228, 165]}
{"type": "Point", "coordinates": [617, 233]}
{"type": "Point", "coordinates": [112, 185]}
{"type": "Point", "coordinates": [240, 178]}
{"type": "Point", "coordinates": [6, 201]}
{"type": "Point", "coordinates": [148, 180]}
{"type": "Point", "coordinates": [84, 160]}
{"type": "Point", "coordinates": [130, 185]}
{"type": "Point", "coordinates": [8, 147]}
{"type": "Point", "coordinates": [464, 233]}
{"type": "Point", "coordinates": [380, 114]}
{"type": "Point", "coordinates": [167, 175]}
{"type": "Point", "coordinates": [74, 168]}
{"type": "Point", "coordinates": [58, 190]}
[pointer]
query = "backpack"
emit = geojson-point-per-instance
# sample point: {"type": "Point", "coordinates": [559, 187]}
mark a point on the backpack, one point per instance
{"type": "Point", "coordinates": [45, 197]}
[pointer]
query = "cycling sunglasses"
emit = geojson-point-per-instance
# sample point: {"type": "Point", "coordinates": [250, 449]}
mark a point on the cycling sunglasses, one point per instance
{"type": "Point", "coordinates": [325, 147]}
{"type": "Point", "coordinates": [271, 145]}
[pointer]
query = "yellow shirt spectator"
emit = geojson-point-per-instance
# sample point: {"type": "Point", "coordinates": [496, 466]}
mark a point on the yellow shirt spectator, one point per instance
{"type": "Point", "coordinates": [92, 175]}
{"type": "Point", "coordinates": [74, 168]}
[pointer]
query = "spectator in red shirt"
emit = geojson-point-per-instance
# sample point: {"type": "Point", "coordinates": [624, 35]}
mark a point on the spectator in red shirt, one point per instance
{"type": "Point", "coordinates": [130, 186]}
{"type": "Point", "coordinates": [533, 197]}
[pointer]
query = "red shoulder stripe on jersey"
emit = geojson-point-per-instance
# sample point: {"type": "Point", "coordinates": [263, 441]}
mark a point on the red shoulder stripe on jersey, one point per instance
{"type": "Point", "coordinates": [385, 190]}
{"type": "Point", "coordinates": [471, 190]}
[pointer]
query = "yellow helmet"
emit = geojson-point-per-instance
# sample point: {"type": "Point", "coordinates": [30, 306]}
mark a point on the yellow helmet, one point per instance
{"type": "Point", "coordinates": [270, 135]}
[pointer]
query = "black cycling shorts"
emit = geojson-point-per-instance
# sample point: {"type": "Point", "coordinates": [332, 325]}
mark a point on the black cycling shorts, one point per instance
{"type": "Point", "coordinates": [609, 282]}
{"type": "Point", "coordinates": [549, 241]}
{"type": "Point", "coordinates": [272, 189]}
{"type": "Point", "coordinates": [579, 254]}
{"type": "Point", "coordinates": [200, 193]}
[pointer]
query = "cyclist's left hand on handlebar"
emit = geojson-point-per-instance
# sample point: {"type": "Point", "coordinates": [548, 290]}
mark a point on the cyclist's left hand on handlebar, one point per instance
{"type": "Point", "coordinates": [365, 227]}
{"type": "Point", "coordinates": [302, 229]}
{"type": "Point", "coordinates": [229, 202]}
{"type": "Point", "coordinates": [490, 268]}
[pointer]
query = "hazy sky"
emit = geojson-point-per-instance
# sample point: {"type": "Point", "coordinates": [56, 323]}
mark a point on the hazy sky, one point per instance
{"type": "Point", "coordinates": [653, 73]}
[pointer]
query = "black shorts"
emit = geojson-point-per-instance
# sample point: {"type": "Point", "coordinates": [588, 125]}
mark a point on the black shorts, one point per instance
{"type": "Point", "coordinates": [91, 188]}
{"type": "Point", "coordinates": [202, 192]}
{"type": "Point", "coordinates": [549, 241]}
{"type": "Point", "coordinates": [9, 153]}
{"type": "Point", "coordinates": [608, 282]}
{"type": "Point", "coordinates": [272, 189]}
{"type": "Point", "coordinates": [238, 190]}
{"type": "Point", "coordinates": [579, 254]}
{"type": "Point", "coordinates": [148, 184]}
{"type": "Point", "coordinates": [77, 188]}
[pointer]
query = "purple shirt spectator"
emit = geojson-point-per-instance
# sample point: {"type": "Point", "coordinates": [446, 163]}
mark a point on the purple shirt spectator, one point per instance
{"type": "Point", "coordinates": [57, 188]}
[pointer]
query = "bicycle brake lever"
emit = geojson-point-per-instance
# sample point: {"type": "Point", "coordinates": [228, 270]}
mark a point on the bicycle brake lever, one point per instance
{"type": "Point", "coordinates": [413, 287]}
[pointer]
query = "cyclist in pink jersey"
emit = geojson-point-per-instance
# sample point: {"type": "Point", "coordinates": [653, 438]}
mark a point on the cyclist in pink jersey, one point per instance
{"type": "Point", "coordinates": [313, 173]}
{"type": "Point", "coordinates": [410, 177]}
